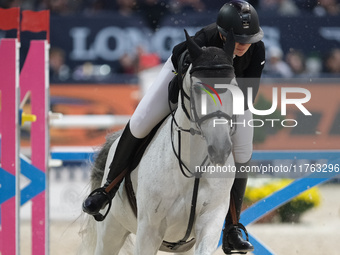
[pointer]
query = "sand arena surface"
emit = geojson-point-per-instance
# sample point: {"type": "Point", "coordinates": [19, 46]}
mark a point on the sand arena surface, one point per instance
{"type": "Point", "coordinates": [318, 232]}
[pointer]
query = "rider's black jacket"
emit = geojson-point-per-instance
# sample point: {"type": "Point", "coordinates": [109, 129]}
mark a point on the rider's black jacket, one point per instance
{"type": "Point", "coordinates": [250, 65]}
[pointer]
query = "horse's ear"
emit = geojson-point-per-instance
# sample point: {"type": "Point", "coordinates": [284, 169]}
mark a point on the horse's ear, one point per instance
{"type": "Point", "coordinates": [194, 50]}
{"type": "Point", "coordinates": [229, 44]}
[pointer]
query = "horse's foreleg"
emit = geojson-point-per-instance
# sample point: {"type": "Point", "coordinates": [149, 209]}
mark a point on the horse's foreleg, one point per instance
{"type": "Point", "coordinates": [149, 237]}
{"type": "Point", "coordinates": [208, 232]}
{"type": "Point", "coordinates": [111, 236]}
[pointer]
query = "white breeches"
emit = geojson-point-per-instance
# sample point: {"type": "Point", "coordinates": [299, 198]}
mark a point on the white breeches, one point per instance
{"type": "Point", "coordinates": [154, 107]}
{"type": "Point", "coordinates": [243, 138]}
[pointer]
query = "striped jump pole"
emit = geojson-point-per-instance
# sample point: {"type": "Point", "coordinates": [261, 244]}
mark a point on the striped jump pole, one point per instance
{"type": "Point", "coordinates": [34, 80]}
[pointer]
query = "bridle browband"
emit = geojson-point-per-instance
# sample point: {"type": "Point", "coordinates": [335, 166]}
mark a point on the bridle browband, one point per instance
{"type": "Point", "coordinates": [212, 67]}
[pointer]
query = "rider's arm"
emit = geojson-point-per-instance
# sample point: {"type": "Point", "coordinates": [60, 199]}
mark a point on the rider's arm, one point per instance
{"type": "Point", "coordinates": [250, 67]}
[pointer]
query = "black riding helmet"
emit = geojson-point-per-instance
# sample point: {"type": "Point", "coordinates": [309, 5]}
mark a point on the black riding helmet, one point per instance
{"type": "Point", "coordinates": [242, 18]}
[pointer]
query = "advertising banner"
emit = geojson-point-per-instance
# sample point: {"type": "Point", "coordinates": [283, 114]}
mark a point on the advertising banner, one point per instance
{"type": "Point", "coordinates": [105, 38]}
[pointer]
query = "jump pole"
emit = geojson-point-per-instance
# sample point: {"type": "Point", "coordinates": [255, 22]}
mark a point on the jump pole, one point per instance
{"type": "Point", "coordinates": [34, 79]}
{"type": "Point", "coordinates": [9, 129]}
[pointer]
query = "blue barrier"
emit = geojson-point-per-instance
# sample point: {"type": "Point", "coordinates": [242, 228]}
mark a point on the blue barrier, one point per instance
{"type": "Point", "coordinates": [73, 156]}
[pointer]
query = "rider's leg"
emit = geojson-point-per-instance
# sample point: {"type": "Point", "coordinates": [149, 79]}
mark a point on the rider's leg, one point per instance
{"type": "Point", "coordinates": [242, 149]}
{"type": "Point", "coordinates": [150, 111]}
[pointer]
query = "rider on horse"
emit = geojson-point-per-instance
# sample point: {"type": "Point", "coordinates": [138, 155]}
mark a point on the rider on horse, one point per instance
{"type": "Point", "coordinates": [238, 17]}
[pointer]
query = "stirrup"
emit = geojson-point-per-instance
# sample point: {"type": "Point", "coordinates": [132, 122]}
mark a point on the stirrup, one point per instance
{"type": "Point", "coordinates": [98, 216]}
{"type": "Point", "coordinates": [236, 252]}
{"type": "Point", "coordinates": [240, 226]}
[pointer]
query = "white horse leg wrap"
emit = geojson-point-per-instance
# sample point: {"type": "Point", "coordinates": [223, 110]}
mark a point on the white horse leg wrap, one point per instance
{"type": "Point", "coordinates": [154, 105]}
{"type": "Point", "coordinates": [243, 138]}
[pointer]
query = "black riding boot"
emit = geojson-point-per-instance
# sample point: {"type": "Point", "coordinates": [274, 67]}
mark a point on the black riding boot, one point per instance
{"type": "Point", "coordinates": [99, 198]}
{"type": "Point", "coordinates": [233, 241]}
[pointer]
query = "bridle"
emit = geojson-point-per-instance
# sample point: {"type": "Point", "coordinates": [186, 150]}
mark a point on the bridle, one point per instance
{"type": "Point", "coordinates": [194, 117]}
{"type": "Point", "coordinates": [217, 114]}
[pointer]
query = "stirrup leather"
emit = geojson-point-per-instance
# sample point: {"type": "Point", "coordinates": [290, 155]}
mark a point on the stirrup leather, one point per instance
{"type": "Point", "coordinates": [99, 216]}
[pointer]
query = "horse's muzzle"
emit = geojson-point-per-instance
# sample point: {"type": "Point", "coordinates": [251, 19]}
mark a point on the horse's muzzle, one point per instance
{"type": "Point", "coordinates": [218, 156]}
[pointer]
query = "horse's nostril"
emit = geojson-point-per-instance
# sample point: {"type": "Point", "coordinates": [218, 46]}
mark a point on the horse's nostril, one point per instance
{"type": "Point", "coordinates": [211, 150]}
{"type": "Point", "coordinates": [215, 156]}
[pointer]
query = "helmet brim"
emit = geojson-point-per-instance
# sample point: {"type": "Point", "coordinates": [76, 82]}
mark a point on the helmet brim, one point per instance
{"type": "Point", "coordinates": [245, 39]}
